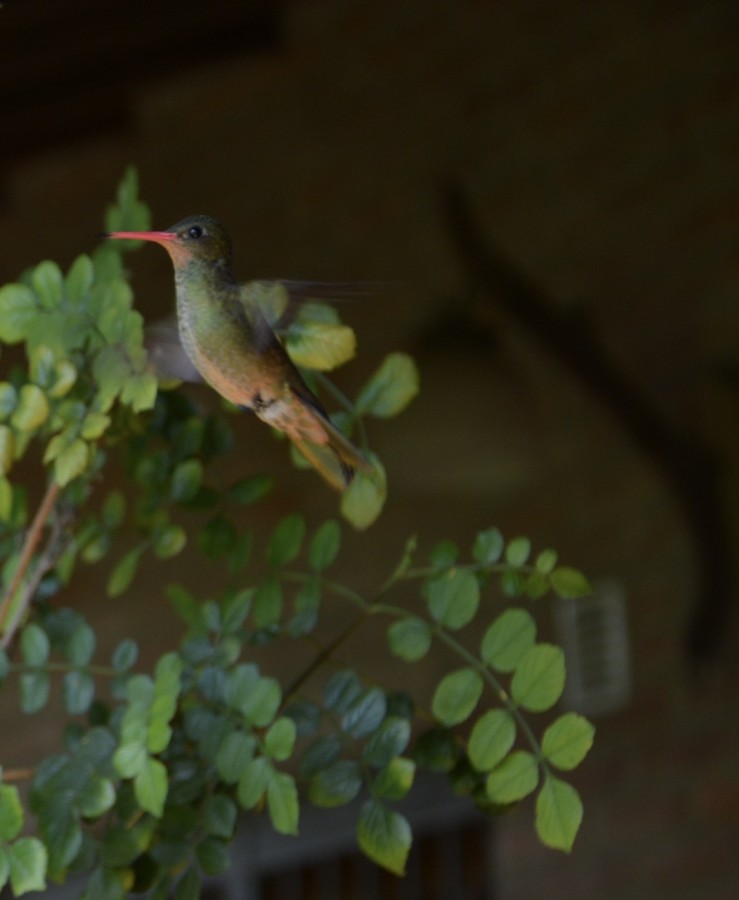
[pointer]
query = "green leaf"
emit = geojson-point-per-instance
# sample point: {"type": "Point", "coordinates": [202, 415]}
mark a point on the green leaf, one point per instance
{"type": "Point", "coordinates": [97, 797]}
{"type": "Point", "coordinates": [213, 856]}
{"type": "Point", "coordinates": [306, 715]}
{"type": "Point", "coordinates": [125, 655]}
{"type": "Point", "coordinates": [488, 546]}
{"type": "Point", "coordinates": [491, 738]}
{"type": "Point", "coordinates": [365, 714]}
{"type": "Point", "coordinates": [186, 480]}
{"type": "Point", "coordinates": [508, 639]}
{"type": "Point", "coordinates": [322, 346]}
{"type": "Point", "coordinates": [336, 784]}
{"type": "Point", "coordinates": [124, 572]}
{"type": "Point", "coordinates": [568, 582]}
{"type": "Point", "coordinates": [170, 541]}
{"type": "Point", "coordinates": [567, 740]}
{"type": "Point", "coordinates": [240, 683]}
{"type": "Point", "coordinates": [235, 608]}
{"type": "Point", "coordinates": [79, 691]}
{"type": "Point", "coordinates": [518, 551]}
{"type": "Point", "coordinates": [546, 561]}
{"type": "Point", "coordinates": [8, 399]}
{"type": "Point", "coordinates": [391, 388]}
{"type": "Point", "coordinates": [32, 409]}
{"type": "Point", "coordinates": [253, 782]}
{"type": "Point", "coordinates": [18, 309]}
{"type": "Point", "coordinates": [390, 740]}
{"type": "Point", "coordinates": [48, 283]}
{"type": "Point", "coordinates": [286, 540]}
{"type": "Point", "coordinates": [71, 461]}
{"type": "Point", "coordinates": [78, 279]}
{"type": "Point", "coordinates": [268, 603]}
{"type": "Point", "coordinates": [11, 812]}
{"type": "Point", "coordinates": [260, 706]}
{"type": "Point", "coordinates": [27, 861]}
{"type": "Point", "coordinates": [130, 759]}
{"type": "Point", "coordinates": [307, 604]}
{"type": "Point", "coordinates": [190, 886]}
{"type": "Point", "coordinates": [235, 752]}
{"type": "Point", "coordinates": [80, 645]}
{"type": "Point", "coordinates": [164, 701]}
{"type": "Point", "coordinates": [114, 509]}
{"type": "Point", "coordinates": [65, 376]}
{"type": "Point", "coordinates": [219, 815]}
{"type": "Point", "coordinates": [539, 678]}
{"type": "Point", "coordinates": [558, 813]}
{"type": "Point", "coordinates": [512, 583]}
{"type": "Point", "coordinates": [456, 696]}
{"type": "Point", "coordinates": [321, 754]}
{"type": "Point", "coordinates": [6, 500]}
{"type": "Point", "coordinates": [444, 555]}
{"type": "Point", "coordinates": [325, 545]}
{"type": "Point", "coordinates": [150, 787]}
{"type": "Point", "coordinates": [453, 598]}
{"type": "Point", "coordinates": [218, 537]}
{"type": "Point", "coordinates": [436, 750]}
{"type": "Point", "coordinates": [515, 778]}
{"type": "Point", "coordinates": [341, 691]}
{"type": "Point", "coordinates": [249, 490]}
{"type": "Point", "coordinates": [41, 366]}
{"type": "Point", "coordinates": [410, 638]}
{"type": "Point", "coordinates": [279, 741]}
{"type": "Point", "coordinates": [362, 501]}
{"type": "Point", "coordinates": [384, 836]}
{"type": "Point", "coordinates": [282, 803]}
{"type": "Point", "coordinates": [395, 780]}
{"type": "Point", "coordinates": [34, 645]}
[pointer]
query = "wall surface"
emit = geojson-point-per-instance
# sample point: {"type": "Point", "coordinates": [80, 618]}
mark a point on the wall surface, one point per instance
{"type": "Point", "coordinates": [599, 144]}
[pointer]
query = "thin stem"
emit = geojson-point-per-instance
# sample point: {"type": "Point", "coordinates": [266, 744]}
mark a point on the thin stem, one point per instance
{"type": "Point", "coordinates": [29, 548]}
{"type": "Point", "coordinates": [92, 669]}
{"type": "Point", "coordinates": [324, 655]}
{"type": "Point", "coordinates": [347, 405]}
{"type": "Point", "coordinates": [474, 663]}
{"type": "Point", "coordinates": [17, 774]}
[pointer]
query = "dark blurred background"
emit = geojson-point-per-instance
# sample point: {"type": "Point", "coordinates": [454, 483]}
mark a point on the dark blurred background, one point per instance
{"type": "Point", "coordinates": [548, 193]}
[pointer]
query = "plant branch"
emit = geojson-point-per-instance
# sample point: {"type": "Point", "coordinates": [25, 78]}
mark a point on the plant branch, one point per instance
{"type": "Point", "coordinates": [30, 544]}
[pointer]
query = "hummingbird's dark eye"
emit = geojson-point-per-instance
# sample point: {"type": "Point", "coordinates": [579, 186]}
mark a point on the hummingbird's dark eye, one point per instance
{"type": "Point", "coordinates": [195, 232]}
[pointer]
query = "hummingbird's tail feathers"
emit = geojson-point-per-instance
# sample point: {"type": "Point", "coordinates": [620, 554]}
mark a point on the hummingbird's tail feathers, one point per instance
{"type": "Point", "coordinates": [327, 463]}
{"type": "Point", "coordinates": [335, 457]}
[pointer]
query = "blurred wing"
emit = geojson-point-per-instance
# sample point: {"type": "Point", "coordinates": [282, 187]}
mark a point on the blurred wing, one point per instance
{"type": "Point", "coordinates": [302, 314]}
{"type": "Point", "coordinates": [167, 356]}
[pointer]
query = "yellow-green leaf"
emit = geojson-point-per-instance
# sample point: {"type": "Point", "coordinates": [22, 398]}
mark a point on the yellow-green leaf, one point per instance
{"type": "Point", "coordinates": [558, 814]}
{"type": "Point", "coordinates": [6, 499]}
{"type": "Point", "coordinates": [362, 501]}
{"type": "Point", "coordinates": [321, 345]}
{"type": "Point", "coordinates": [391, 388]}
{"type": "Point", "coordinates": [71, 462]}
{"type": "Point", "coordinates": [18, 309]}
{"type": "Point", "coordinates": [7, 449]}
{"type": "Point", "coordinates": [32, 409]}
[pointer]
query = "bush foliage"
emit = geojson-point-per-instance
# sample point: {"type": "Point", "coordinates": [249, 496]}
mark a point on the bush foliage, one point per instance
{"type": "Point", "coordinates": [154, 768]}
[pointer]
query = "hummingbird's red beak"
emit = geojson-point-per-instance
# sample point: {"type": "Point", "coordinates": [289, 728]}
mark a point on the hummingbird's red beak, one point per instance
{"type": "Point", "coordinates": [159, 237]}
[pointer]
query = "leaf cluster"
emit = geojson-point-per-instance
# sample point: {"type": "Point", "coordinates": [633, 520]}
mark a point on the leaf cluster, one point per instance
{"type": "Point", "coordinates": [155, 767]}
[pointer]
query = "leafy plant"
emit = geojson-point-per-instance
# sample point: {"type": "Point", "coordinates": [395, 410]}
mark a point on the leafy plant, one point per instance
{"type": "Point", "coordinates": [154, 768]}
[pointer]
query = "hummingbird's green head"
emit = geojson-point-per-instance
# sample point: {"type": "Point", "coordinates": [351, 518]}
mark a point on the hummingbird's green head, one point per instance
{"type": "Point", "coordinates": [198, 238]}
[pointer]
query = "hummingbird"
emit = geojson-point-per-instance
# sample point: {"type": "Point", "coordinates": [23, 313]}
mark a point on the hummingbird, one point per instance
{"type": "Point", "coordinates": [228, 338]}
